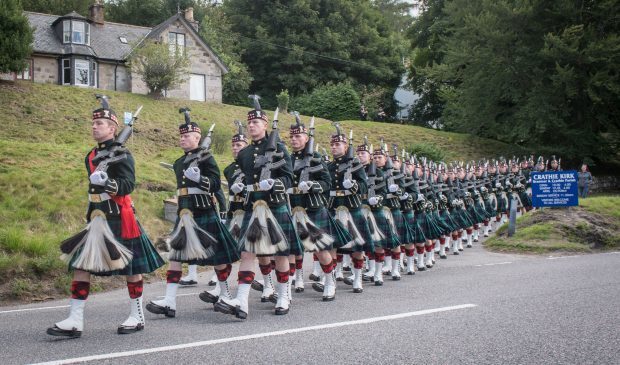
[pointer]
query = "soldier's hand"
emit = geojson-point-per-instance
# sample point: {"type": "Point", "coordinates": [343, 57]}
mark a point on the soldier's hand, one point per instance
{"type": "Point", "coordinates": [393, 188]}
{"type": "Point", "coordinates": [347, 184]}
{"type": "Point", "coordinates": [237, 188]}
{"type": "Point", "coordinates": [405, 196]}
{"type": "Point", "coordinates": [193, 173]}
{"type": "Point", "coordinates": [304, 186]}
{"type": "Point", "coordinates": [266, 185]}
{"type": "Point", "coordinates": [373, 200]}
{"type": "Point", "coordinates": [98, 178]}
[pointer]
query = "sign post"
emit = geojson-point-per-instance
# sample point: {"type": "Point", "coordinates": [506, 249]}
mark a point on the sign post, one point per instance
{"type": "Point", "coordinates": [554, 189]}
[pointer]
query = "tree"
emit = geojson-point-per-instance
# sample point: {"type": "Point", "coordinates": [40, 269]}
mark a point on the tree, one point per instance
{"type": "Point", "coordinates": [16, 37]}
{"type": "Point", "coordinates": [146, 13]}
{"type": "Point", "coordinates": [159, 68]}
{"type": "Point", "coordinates": [57, 7]}
{"type": "Point", "coordinates": [308, 43]}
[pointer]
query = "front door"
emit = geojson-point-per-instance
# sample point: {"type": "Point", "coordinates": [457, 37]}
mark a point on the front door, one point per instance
{"type": "Point", "coordinates": [197, 87]}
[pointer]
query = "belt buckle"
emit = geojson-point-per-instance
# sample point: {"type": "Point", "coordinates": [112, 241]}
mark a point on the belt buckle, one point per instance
{"type": "Point", "coordinates": [95, 198]}
{"type": "Point", "coordinates": [182, 192]}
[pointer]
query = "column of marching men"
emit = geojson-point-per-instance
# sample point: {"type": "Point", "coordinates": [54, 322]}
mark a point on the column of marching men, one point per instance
{"type": "Point", "coordinates": [366, 215]}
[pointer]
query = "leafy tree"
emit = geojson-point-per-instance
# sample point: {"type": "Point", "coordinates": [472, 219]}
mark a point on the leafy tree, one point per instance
{"type": "Point", "coordinates": [57, 7]}
{"type": "Point", "coordinates": [16, 39]}
{"type": "Point", "coordinates": [302, 44]}
{"type": "Point", "coordinates": [159, 68]}
{"type": "Point", "coordinates": [335, 102]}
{"type": "Point", "coordinates": [147, 13]}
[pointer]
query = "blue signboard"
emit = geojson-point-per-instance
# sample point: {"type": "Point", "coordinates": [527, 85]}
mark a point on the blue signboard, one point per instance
{"type": "Point", "coordinates": [554, 189]}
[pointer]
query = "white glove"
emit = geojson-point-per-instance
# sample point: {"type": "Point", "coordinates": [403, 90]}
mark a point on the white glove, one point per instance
{"type": "Point", "coordinates": [373, 200]}
{"type": "Point", "coordinates": [266, 185]}
{"type": "Point", "coordinates": [193, 173]}
{"type": "Point", "coordinates": [420, 197]}
{"type": "Point", "coordinates": [304, 186]}
{"type": "Point", "coordinates": [498, 185]}
{"type": "Point", "coordinates": [98, 178]}
{"type": "Point", "coordinates": [405, 196]}
{"type": "Point", "coordinates": [393, 188]}
{"type": "Point", "coordinates": [347, 184]}
{"type": "Point", "coordinates": [237, 188]}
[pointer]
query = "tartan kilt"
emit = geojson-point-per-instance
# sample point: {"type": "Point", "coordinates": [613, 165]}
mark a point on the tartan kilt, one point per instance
{"type": "Point", "coordinates": [404, 229]}
{"type": "Point", "coordinates": [362, 226]}
{"type": "Point", "coordinates": [442, 223]}
{"type": "Point", "coordinates": [488, 205]}
{"type": "Point", "coordinates": [462, 218]}
{"type": "Point", "coordinates": [429, 226]}
{"type": "Point", "coordinates": [283, 218]}
{"type": "Point", "coordinates": [476, 212]}
{"type": "Point", "coordinates": [449, 221]}
{"type": "Point", "coordinates": [322, 219]}
{"type": "Point", "coordinates": [145, 257]}
{"type": "Point", "coordinates": [502, 204]}
{"type": "Point", "coordinates": [391, 239]}
{"type": "Point", "coordinates": [226, 251]}
{"type": "Point", "coordinates": [416, 230]}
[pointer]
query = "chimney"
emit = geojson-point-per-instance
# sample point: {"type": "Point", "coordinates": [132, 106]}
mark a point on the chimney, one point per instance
{"type": "Point", "coordinates": [96, 12]}
{"type": "Point", "coordinates": [189, 16]}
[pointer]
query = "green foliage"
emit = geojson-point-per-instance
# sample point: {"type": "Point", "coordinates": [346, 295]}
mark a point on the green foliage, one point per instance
{"type": "Point", "coordinates": [304, 44]}
{"type": "Point", "coordinates": [283, 99]}
{"type": "Point", "coordinates": [536, 73]}
{"type": "Point", "coordinates": [57, 7]}
{"type": "Point", "coordinates": [334, 102]}
{"type": "Point", "coordinates": [158, 67]}
{"type": "Point", "coordinates": [16, 39]}
{"type": "Point", "coordinates": [147, 13]}
{"type": "Point", "coordinates": [428, 150]}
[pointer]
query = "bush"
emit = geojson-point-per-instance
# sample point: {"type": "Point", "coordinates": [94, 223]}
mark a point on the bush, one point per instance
{"type": "Point", "coordinates": [334, 102]}
{"type": "Point", "coordinates": [283, 100]}
{"type": "Point", "coordinates": [428, 150]}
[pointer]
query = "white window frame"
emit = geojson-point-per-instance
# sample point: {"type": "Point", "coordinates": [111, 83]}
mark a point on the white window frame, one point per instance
{"type": "Point", "coordinates": [75, 33]}
{"type": "Point", "coordinates": [83, 65]}
{"type": "Point", "coordinates": [93, 73]}
{"type": "Point", "coordinates": [66, 31]}
{"type": "Point", "coordinates": [66, 69]}
{"type": "Point", "coordinates": [176, 42]}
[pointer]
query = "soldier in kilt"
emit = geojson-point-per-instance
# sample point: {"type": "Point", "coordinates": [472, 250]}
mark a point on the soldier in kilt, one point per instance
{"type": "Point", "coordinates": [111, 213]}
{"type": "Point", "coordinates": [199, 236]}
{"type": "Point", "coordinates": [410, 186]}
{"type": "Point", "coordinates": [372, 207]}
{"type": "Point", "coordinates": [267, 229]}
{"type": "Point", "coordinates": [447, 221]}
{"type": "Point", "coordinates": [348, 184]}
{"type": "Point", "coordinates": [318, 230]}
{"type": "Point", "coordinates": [397, 226]}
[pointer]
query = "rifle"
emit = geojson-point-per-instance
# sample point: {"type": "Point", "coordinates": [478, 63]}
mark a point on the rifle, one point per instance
{"type": "Point", "coordinates": [195, 158]}
{"type": "Point", "coordinates": [373, 179]}
{"type": "Point", "coordinates": [118, 151]}
{"type": "Point", "coordinates": [305, 164]}
{"type": "Point", "coordinates": [347, 167]}
{"type": "Point", "coordinates": [266, 161]}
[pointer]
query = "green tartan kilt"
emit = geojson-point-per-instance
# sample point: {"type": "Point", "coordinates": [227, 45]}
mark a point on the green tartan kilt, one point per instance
{"type": "Point", "coordinates": [442, 223]}
{"type": "Point", "coordinates": [449, 221]}
{"type": "Point", "coordinates": [488, 207]}
{"type": "Point", "coordinates": [404, 229]}
{"type": "Point", "coordinates": [430, 228]}
{"type": "Point", "coordinates": [362, 226]}
{"type": "Point", "coordinates": [502, 204]}
{"type": "Point", "coordinates": [322, 219]}
{"type": "Point", "coordinates": [145, 257]}
{"type": "Point", "coordinates": [226, 251]}
{"type": "Point", "coordinates": [391, 239]}
{"type": "Point", "coordinates": [414, 225]}
{"type": "Point", "coordinates": [525, 199]}
{"type": "Point", "coordinates": [462, 218]}
{"type": "Point", "coordinates": [284, 219]}
{"type": "Point", "coordinates": [475, 213]}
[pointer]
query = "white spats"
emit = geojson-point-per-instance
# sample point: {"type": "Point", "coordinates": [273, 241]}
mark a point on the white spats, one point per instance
{"type": "Point", "coordinates": [329, 288]}
{"type": "Point", "coordinates": [75, 322]}
{"type": "Point", "coordinates": [283, 303]}
{"type": "Point", "coordinates": [299, 280]}
{"type": "Point", "coordinates": [135, 321]}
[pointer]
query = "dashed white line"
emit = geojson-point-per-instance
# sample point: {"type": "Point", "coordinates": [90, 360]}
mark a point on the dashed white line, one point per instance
{"type": "Point", "coordinates": [114, 355]}
{"type": "Point", "coordinates": [495, 263]}
{"type": "Point", "coordinates": [34, 309]}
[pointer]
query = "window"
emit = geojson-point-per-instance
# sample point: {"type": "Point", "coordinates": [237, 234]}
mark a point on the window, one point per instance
{"type": "Point", "coordinates": [66, 71]}
{"type": "Point", "coordinates": [82, 73]}
{"type": "Point", "coordinates": [66, 31]}
{"type": "Point", "coordinates": [87, 34]}
{"type": "Point", "coordinates": [26, 74]}
{"type": "Point", "coordinates": [176, 42]}
{"type": "Point", "coordinates": [78, 32]}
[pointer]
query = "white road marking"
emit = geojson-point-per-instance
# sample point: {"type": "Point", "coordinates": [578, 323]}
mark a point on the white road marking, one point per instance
{"type": "Point", "coordinates": [561, 257]}
{"type": "Point", "coordinates": [114, 355]}
{"type": "Point", "coordinates": [34, 309]}
{"type": "Point", "coordinates": [495, 263]}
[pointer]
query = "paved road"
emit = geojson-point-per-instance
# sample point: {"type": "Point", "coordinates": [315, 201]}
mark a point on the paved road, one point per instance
{"type": "Point", "coordinates": [476, 308]}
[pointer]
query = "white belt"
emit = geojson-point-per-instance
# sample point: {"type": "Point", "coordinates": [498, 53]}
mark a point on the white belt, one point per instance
{"type": "Point", "coordinates": [98, 198]}
{"type": "Point", "coordinates": [339, 193]}
{"type": "Point", "coordinates": [294, 190]}
{"type": "Point", "coordinates": [190, 191]}
{"type": "Point", "coordinates": [235, 198]}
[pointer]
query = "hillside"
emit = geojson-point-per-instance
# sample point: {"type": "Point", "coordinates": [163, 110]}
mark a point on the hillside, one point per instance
{"type": "Point", "coordinates": [45, 135]}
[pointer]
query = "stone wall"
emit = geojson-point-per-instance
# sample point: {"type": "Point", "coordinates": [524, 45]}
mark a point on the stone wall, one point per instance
{"type": "Point", "coordinates": [602, 184]}
{"type": "Point", "coordinates": [45, 70]}
{"type": "Point", "coordinates": [106, 77]}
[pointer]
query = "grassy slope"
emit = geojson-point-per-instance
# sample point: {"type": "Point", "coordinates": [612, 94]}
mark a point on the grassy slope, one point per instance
{"type": "Point", "coordinates": [45, 135]}
{"type": "Point", "coordinates": [592, 225]}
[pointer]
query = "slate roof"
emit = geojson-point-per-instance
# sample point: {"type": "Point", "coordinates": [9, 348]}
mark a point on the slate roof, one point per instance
{"type": "Point", "coordinates": [104, 39]}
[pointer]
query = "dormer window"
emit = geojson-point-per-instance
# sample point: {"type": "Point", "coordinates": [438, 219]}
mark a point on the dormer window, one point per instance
{"type": "Point", "coordinates": [75, 31]}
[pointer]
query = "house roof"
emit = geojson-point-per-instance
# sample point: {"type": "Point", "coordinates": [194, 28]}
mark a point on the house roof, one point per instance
{"type": "Point", "coordinates": [105, 40]}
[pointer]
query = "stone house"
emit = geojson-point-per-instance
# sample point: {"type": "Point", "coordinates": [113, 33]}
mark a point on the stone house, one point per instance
{"type": "Point", "coordinates": [89, 52]}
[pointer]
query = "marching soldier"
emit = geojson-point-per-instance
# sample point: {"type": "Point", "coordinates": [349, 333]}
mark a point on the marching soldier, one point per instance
{"type": "Point", "coordinates": [113, 243]}
{"type": "Point", "coordinates": [267, 228]}
{"type": "Point", "coordinates": [199, 236]}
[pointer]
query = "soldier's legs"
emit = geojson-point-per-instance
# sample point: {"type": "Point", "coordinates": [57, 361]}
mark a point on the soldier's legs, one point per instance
{"type": "Point", "coordinates": [168, 305]}
{"type": "Point", "coordinates": [74, 324]}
